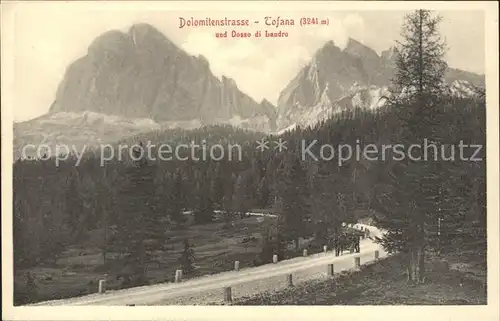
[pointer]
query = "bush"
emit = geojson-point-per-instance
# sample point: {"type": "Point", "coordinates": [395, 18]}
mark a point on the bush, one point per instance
{"type": "Point", "coordinates": [187, 259]}
{"type": "Point", "coordinates": [267, 251]}
{"type": "Point", "coordinates": [21, 296]}
{"type": "Point", "coordinates": [257, 261]}
{"type": "Point", "coordinates": [133, 280]}
{"type": "Point", "coordinates": [31, 286]}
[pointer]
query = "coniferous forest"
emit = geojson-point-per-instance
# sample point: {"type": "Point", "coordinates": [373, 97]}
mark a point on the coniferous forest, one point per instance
{"type": "Point", "coordinates": [133, 204]}
{"type": "Point", "coordinates": [134, 220]}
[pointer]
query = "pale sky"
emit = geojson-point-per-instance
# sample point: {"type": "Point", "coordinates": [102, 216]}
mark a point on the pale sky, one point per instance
{"type": "Point", "coordinates": [50, 37]}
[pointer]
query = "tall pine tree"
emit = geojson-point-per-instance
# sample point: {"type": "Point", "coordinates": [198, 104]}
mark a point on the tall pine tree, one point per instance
{"type": "Point", "coordinates": [141, 226]}
{"type": "Point", "coordinates": [204, 211]}
{"type": "Point", "coordinates": [187, 258]}
{"type": "Point", "coordinates": [263, 193]}
{"type": "Point", "coordinates": [217, 186]}
{"type": "Point", "coordinates": [242, 199]}
{"type": "Point", "coordinates": [414, 182]}
{"type": "Point", "coordinates": [294, 192]}
{"type": "Point", "coordinates": [177, 199]}
{"type": "Point", "coordinates": [74, 206]}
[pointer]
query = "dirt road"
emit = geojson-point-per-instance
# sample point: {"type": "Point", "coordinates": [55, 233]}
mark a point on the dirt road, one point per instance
{"type": "Point", "coordinates": [209, 289]}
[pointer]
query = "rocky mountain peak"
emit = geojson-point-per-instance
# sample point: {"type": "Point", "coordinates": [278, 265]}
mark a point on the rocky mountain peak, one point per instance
{"type": "Point", "coordinates": [269, 108]}
{"type": "Point", "coordinates": [144, 29]}
{"type": "Point", "coordinates": [108, 40]}
{"type": "Point", "coordinates": [338, 79]}
{"type": "Point", "coordinates": [141, 73]}
{"type": "Point", "coordinates": [143, 34]}
{"type": "Point", "coordinates": [204, 61]}
{"type": "Point", "coordinates": [267, 104]}
{"type": "Point", "coordinates": [358, 49]}
{"type": "Point", "coordinates": [389, 56]}
{"type": "Point", "coordinates": [229, 81]}
{"type": "Point", "coordinates": [329, 49]}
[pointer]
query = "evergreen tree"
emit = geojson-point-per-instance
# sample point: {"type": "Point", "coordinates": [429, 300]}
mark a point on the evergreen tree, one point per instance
{"type": "Point", "coordinates": [187, 258]}
{"type": "Point", "coordinates": [141, 226]}
{"type": "Point", "coordinates": [31, 286]}
{"type": "Point", "coordinates": [420, 76]}
{"type": "Point", "coordinates": [420, 67]}
{"type": "Point", "coordinates": [74, 205]}
{"type": "Point", "coordinates": [272, 243]}
{"type": "Point", "coordinates": [41, 213]}
{"type": "Point", "coordinates": [204, 212]}
{"type": "Point", "coordinates": [155, 222]}
{"type": "Point", "coordinates": [268, 248]}
{"type": "Point", "coordinates": [228, 213]}
{"type": "Point", "coordinates": [263, 193]}
{"type": "Point", "coordinates": [104, 206]}
{"type": "Point", "coordinates": [177, 199]}
{"type": "Point", "coordinates": [294, 202]}
{"type": "Point", "coordinates": [257, 173]}
{"type": "Point", "coordinates": [328, 205]}
{"type": "Point", "coordinates": [217, 186]}
{"type": "Point", "coordinates": [242, 197]}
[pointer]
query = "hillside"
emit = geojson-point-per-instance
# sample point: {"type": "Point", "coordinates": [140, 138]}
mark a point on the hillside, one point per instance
{"type": "Point", "coordinates": [451, 280]}
{"type": "Point", "coordinates": [140, 81]}
{"type": "Point", "coordinates": [136, 82]}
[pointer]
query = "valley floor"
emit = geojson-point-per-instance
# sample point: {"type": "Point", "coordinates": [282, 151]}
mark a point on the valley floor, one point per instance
{"type": "Point", "coordinates": [78, 270]}
{"type": "Point", "coordinates": [449, 281]}
{"type": "Point", "coordinates": [216, 247]}
{"type": "Point", "coordinates": [462, 280]}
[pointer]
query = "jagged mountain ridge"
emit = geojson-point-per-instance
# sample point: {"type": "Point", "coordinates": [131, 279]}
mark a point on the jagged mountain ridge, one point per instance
{"type": "Point", "coordinates": [136, 82]}
{"type": "Point", "coordinates": [337, 79]}
{"type": "Point", "coordinates": [142, 74]}
{"type": "Point", "coordinates": [139, 81]}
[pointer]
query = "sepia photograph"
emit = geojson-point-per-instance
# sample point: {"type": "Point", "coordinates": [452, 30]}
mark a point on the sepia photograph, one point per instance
{"type": "Point", "coordinates": [235, 155]}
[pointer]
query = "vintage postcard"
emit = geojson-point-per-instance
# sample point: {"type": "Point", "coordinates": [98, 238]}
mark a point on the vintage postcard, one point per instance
{"type": "Point", "coordinates": [253, 160]}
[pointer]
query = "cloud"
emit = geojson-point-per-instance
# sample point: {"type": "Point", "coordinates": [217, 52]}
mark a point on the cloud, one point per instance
{"type": "Point", "coordinates": [201, 41]}
{"type": "Point", "coordinates": [223, 54]}
{"type": "Point", "coordinates": [354, 26]}
{"type": "Point", "coordinates": [340, 30]}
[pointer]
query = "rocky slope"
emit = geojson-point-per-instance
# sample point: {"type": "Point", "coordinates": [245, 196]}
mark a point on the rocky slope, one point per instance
{"type": "Point", "coordinates": [356, 76]}
{"type": "Point", "coordinates": [82, 131]}
{"type": "Point", "coordinates": [135, 82]}
{"type": "Point", "coordinates": [142, 74]}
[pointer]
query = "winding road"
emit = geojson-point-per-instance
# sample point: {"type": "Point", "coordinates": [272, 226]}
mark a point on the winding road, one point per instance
{"type": "Point", "coordinates": [246, 282]}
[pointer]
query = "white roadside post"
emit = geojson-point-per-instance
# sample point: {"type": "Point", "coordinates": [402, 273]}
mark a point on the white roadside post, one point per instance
{"type": "Point", "coordinates": [330, 270]}
{"type": "Point", "coordinates": [357, 263]}
{"type": "Point", "coordinates": [178, 276]}
{"type": "Point", "coordinates": [102, 286]}
{"type": "Point", "coordinates": [228, 299]}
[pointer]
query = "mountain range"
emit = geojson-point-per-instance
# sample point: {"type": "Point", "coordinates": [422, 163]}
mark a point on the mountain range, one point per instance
{"type": "Point", "coordinates": [140, 81]}
{"type": "Point", "coordinates": [356, 76]}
